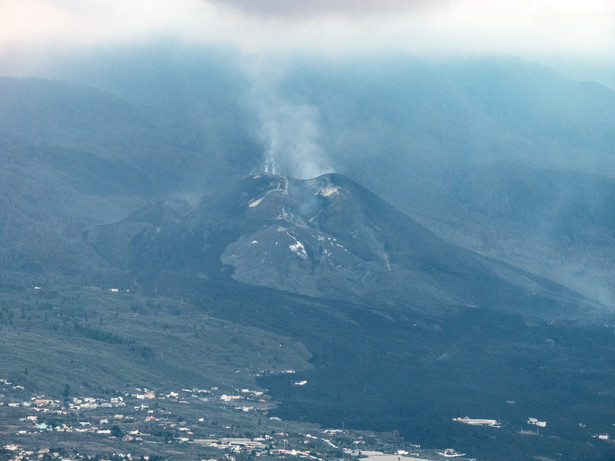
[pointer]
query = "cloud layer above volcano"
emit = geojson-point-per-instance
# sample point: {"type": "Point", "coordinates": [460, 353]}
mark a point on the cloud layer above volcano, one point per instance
{"type": "Point", "coordinates": [521, 27]}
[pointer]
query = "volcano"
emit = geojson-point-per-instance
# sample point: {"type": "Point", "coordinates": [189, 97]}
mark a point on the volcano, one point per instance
{"type": "Point", "coordinates": [326, 237]}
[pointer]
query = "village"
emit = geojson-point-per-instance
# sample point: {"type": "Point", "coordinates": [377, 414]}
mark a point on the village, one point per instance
{"type": "Point", "coordinates": [198, 423]}
{"type": "Point", "coordinates": [227, 418]}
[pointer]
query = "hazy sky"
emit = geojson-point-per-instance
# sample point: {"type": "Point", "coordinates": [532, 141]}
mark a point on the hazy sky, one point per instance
{"type": "Point", "coordinates": [518, 27]}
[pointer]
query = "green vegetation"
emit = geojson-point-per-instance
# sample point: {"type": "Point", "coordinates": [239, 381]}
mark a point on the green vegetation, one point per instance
{"type": "Point", "coordinates": [97, 340]}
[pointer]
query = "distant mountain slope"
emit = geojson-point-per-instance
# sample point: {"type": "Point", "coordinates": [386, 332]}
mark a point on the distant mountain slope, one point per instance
{"type": "Point", "coordinates": [72, 156]}
{"type": "Point", "coordinates": [413, 111]}
{"type": "Point", "coordinates": [554, 223]}
{"type": "Point", "coordinates": [325, 237]}
{"type": "Point", "coordinates": [147, 148]}
{"type": "Point", "coordinates": [48, 196]}
{"type": "Point", "coordinates": [67, 114]}
{"type": "Point", "coordinates": [499, 155]}
{"type": "Point", "coordinates": [495, 154]}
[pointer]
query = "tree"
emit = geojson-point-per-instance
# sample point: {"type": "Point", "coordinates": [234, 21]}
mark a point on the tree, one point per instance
{"type": "Point", "coordinates": [66, 392]}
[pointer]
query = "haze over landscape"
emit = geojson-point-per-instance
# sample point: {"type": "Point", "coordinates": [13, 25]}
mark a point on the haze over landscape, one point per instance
{"type": "Point", "coordinates": [408, 207]}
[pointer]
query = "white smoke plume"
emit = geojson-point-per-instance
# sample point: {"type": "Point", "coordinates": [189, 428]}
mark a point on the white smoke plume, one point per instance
{"type": "Point", "coordinates": [290, 131]}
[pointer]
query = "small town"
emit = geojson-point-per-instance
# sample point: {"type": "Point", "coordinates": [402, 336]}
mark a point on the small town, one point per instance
{"type": "Point", "coordinates": [146, 424]}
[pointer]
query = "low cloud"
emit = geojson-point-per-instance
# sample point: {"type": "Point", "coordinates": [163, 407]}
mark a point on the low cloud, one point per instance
{"type": "Point", "coordinates": [525, 28]}
{"type": "Point", "coordinates": [302, 9]}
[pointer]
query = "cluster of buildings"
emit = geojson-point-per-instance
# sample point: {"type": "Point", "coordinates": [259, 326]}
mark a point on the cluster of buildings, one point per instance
{"type": "Point", "coordinates": [199, 422]}
{"type": "Point", "coordinates": [478, 421]}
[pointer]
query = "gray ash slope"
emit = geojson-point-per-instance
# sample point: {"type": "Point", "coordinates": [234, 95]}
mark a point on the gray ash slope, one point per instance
{"type": "Point", "coordinates": [326, 237]}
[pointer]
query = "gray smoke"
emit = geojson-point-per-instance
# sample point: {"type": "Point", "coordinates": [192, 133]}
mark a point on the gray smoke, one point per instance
{"type": "Point", "coordinates": [290, 132]}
